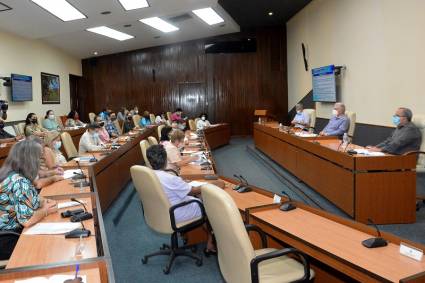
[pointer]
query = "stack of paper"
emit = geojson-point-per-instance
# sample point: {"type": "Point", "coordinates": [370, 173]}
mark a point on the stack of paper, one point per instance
{"type": "Point", "coordinates": [68, 174]}
{"type": "Point", "coordinates": [53, 228]}
{"type": "Point", "coordinates": [69, 204]}
{"type": "Point", "coordinates": [197, 183]}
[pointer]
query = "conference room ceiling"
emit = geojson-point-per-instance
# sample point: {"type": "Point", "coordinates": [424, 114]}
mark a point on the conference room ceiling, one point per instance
{"type": "Point", "coordinates": [255, 13]}
{"type": "Point", "coordinates": [31, 21]}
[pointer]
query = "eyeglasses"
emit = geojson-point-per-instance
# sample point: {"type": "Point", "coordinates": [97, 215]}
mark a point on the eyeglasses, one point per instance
{"type": "Point", "coordinates": [398, 116]}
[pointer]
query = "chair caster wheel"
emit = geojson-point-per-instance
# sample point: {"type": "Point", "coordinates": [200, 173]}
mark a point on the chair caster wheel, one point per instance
{"type": "Point", "coordinates": [198, 262]}
{"type": "Point", "coordinates": [144, 260]}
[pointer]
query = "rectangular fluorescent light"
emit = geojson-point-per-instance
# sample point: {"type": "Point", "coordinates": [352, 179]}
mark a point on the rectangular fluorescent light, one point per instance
{"type": "Point", "coordinates": [134, 4]}
{"type": "Point", "coordinates": [110, 33]}
{"type": "Point", "coordinates": [61, 9]}
{"type": "Point", "coordinates": [209, 16]}
{"type": "Point", "coordinates": [159, 24]}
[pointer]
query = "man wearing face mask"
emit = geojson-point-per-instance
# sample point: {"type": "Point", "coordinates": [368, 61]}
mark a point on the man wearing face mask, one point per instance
{"type": "Point", "coordinates": [406, 137]}
{"type": "Point", "coordinates": [301, 119]}
{"type": "Point", "coordinates": [90, 140]}
{"type": "Point", "coordinates": [338, 124]}
{"type": "Point", "coordinates": [202, 123]}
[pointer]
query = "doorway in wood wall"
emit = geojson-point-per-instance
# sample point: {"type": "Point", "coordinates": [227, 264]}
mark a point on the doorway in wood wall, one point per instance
{"type": "Point", "coordinates": [192, 98]}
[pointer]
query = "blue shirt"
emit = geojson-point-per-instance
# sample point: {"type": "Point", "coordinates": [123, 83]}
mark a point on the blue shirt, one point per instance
{"type": "Point", "coordinates": [103, 116]}
{"type": "Point", "coordinates": [50, 125]}
{"type": "Point", "coordinates": [301, 119]}
{"type": "Point", "coordinates": [145, 122]}
{"type": "Point", "coordinates": [18, 201]}
{"type": "Point", "coordinates": [337, 126]}
{"type": "Point", "coordinates": [111, 128]}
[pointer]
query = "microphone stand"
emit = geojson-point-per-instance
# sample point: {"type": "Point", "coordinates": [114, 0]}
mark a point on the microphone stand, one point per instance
{"type": "Point", "coordinates": [374, 242]}
{"type": "Point", "coordinates": [287, 205]}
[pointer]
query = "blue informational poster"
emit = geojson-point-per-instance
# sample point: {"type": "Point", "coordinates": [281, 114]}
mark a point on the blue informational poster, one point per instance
{"type": "Point", "coordinates": [21, 88]}
{"type": "Point", "coordinates": [324, 84]}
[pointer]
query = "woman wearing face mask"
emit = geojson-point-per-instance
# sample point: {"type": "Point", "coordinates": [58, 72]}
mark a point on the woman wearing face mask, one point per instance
{"type": "Point", "coordinates": [103, 133]}
{"type": "Point", "coordinates": [202, 123]}
{"type": "Point", "coordinates": [49, 122]}
{"type": "Point", "coordinates": [301, 119]}
{"type": "Point", "coordinates": [32, 127]}
{"type": "Point", "coordinates": [73, 120]}
{"type": "Point", "coordinates": [90, 140]}
{"type": "Point", "coordinates": [174, 158]}
{"type": "Point", "coordinates": [160, 119]}
{"type": "Point", "coordinates": [21, 205]}
{"type": "Point", "coordinates": [146, 120]}
{"type": "Point", "coordinates": [53, 144]}
{"type": "Point", "coordinates": [128, 124]}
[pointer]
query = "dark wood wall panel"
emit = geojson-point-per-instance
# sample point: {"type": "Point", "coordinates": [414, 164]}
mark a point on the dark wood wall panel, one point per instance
{"type": "Point", "coordinates": [235, 84]}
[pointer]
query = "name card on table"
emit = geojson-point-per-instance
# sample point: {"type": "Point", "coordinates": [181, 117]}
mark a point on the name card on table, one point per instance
{"type": "Point", "coordinates": [276, 199]}
{"type": "Point", "coordinates": [411, 252]}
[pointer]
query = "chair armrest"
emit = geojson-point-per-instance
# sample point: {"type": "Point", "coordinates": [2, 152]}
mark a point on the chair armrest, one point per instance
{"type": "Point", "coordinates": [9, 233]}
{"type": "Point", "coordinates": [192, 224]}
{"type": "Point", "coordinates": [256, 261]}
{"type": "Point", "coordinates": [414, 152]}
{"type": "Point", "coordinates": [252, 227]}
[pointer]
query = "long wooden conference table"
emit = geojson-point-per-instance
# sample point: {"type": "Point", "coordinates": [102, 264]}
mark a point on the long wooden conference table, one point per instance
{"type": "Point", "coordinates": [381, 188]}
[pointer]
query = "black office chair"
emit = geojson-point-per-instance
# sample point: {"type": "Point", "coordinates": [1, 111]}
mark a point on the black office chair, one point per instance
{"type": "Point", "coordinates": [8, 242]}
{"type": "Point", "coordinates": [420, 199]}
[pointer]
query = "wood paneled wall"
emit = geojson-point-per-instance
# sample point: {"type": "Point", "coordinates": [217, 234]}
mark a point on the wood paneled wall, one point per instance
{"type": "Point", "coordinates": [235, 84]}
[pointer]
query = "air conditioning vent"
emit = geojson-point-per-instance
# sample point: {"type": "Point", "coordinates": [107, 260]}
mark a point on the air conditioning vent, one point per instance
{"type": "Point", "coordinates": [180, 18]}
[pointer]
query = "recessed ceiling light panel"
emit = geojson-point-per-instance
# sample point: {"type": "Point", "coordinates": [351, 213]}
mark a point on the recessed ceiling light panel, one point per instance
{"type": "Point", "coordinates": [134, 4]}
{"type": "Point", "coordinates": [110, 33]}
{"type": "Point", "coordinates": [61, 9]}
{"type": "Point", "coordinates": [209, 16]}
{"type": "Point", "coordinates": [159, 24]}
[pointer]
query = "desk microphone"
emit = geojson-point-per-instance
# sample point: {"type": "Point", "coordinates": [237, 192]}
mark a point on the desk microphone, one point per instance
{"type": "Point", "coordinates": [339, 146]}
{"type": "Point", "coordinates": [82, 216]}
{"type": "Point", "coordinates": [245, 184]}
{"type": "Point", "coordinates": [287, 205]}
{"type": "Point", "coordinates": [94, 159]}
{"type": "Point", "coordinates": [236, 188]}
{"type": "Point", "coordinates": [375, 242]}
{"type": "Point", "coordinates": [85, 182]}
{"type": "Point", "coordinates": [79, 232]}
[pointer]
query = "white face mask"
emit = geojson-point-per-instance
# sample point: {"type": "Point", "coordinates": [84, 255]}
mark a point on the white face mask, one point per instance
{"type": "Point", "coordinates": [51, 116]}
{"type": "Point", "coordinates": [203, 118]}
{"type": "Point", "coordinates": [58, 145]}
{"type": "Point", "coordinates": [334, 112]}
{"type": "Point", "coordinates": [299, 112]}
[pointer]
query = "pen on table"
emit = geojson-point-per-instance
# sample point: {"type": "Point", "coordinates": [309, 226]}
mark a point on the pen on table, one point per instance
{"type": "Point", "coordinates": [76, 271]}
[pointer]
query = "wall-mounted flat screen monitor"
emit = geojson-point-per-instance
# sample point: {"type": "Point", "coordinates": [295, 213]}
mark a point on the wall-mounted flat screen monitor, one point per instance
{"type": "Point", "coordinates": [324, 84]}
{"type": "Point", "coordinates": [21, 87]}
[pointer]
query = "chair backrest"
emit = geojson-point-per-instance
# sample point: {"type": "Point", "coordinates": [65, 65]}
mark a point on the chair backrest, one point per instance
{"type": "Point", "coordinates": [136, 119]}
{"type": "Point", "coordinates": [192, 125]}
{"type": "Point", "coordinates": [312, 115]}
{"type": "Point", "coordinates": [152, 117]}
{"type": "Point", "coordinates": [160, 127]}
{"type": "Point", "coordinates": [91, 117]}
{"type": "Point", "coordinates": [196, 121]}
{"type": "Point", "coordinates": [118, 126]}
{"type": "Point", "coordinates": [152, 140]}
{"type": "Point", "coordinates": [11, 130]}
{"type": "Point", "coordinates": [419, 121]}
{"type": "Point", "coordinates": [68, 145]}
{"type": "Point", "coordinates": [63, 120]}
{"type": "Point", "coordinates": [352, 127]}
{"type": "Point", "coordinates": [235, 250]}
{"type": "Point", "coordinates": [59, 121]}
{"type": "Point", "coordinates": [169, 116]}
{"type": "Point", "coordinates": [155, 203]}
{"type": "Point", "coordinates": [20, 128]}
{"type": "Point", "coordinates": [144, 145]}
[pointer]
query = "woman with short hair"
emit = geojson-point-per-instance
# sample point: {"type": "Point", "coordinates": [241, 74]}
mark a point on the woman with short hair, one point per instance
{"type": "Point", "coordinates": [174, 157]}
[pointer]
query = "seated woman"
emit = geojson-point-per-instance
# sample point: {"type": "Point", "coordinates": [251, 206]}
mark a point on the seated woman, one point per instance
{"type": "Point", "coordinates": [128, 124]}
{"type": "Point", "coordinates": [32, 127]}
{"type": "Point", "coordinates": [146, 120]}
{"type": "Point", "coordinates": [122, 114]}
{"type": "Point", "coordinates": [49, 122]}
{"type": "Point", "coordinates": [174, 157]}
{"type": "Point", "coordinates": [202, 123]}
{"type": "Point", "coordinates": [160, 119]}
{"type": "Point", "coordinates": [90, 140]}
{"type": "Point", "coordinates": [20, 204]}
{"type": "Point", "coordinates": [53, 144]}
{"type": "Point", "coordinates": [165, 134]}
{"type": "Point", "coordinates": [73, 120]}
{"type": "Point", "coordinates": [103, 133]}
{"type": "Point", "coordinates": [177, 191]}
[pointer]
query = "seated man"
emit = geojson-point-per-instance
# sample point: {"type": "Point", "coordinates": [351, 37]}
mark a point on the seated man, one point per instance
{"type": "Point", "coordinates": [339, 122]}
{"type": "Point", "coordinates": [111, 127]}
{"type": "Point", "coordinates": [406, 137]}
{"type": "Point", "coordinates": [176, 190]}
{"type": "Point", "coordinates": [301, 119]}
{"type": "Point", "coordinates": [90, 140]}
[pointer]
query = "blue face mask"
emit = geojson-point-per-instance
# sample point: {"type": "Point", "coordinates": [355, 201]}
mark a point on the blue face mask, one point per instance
{"type": "Point", "coordinates": [396, 120]}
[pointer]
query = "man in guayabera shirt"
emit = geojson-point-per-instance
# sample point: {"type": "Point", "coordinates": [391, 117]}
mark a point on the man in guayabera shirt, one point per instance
{"type": "Point", "coordinates": [406, 137]}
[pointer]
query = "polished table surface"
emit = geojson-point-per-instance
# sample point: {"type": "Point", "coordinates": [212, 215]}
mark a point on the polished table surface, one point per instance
{"type": "Point", "coordinates": [362, 186]}
{"type": "Point", "coordinates": [217, 135]}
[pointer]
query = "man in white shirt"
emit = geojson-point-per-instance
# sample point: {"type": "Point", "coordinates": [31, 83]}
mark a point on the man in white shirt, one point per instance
{"type": "Point", "coordinates": [301, 119]}
{"type": "Point", "coordinates": [177, 190]}
{"type": "Point", "coordinates": [90, 140]}
{"type": "Point", "coordinates": [202, 123]}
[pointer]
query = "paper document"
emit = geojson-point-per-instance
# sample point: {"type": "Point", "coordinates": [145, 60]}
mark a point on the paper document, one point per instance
{"type": "Point", "coordinates": [305, 135]}
{"type": "Point", "coordinates": [69, 204]}
{"type": "Point", "coordinates": [365, 151]}
{"type": "Point", "coordinates": [197, 183]}
{"type": "Point", "coordinates": [52, 279]}
{"type": "Point", "coordinates": [52, 228]}
{"type": "Point", "coordinates": [189, 151]}
{"type": "Point", "coordinates": [68, 174]}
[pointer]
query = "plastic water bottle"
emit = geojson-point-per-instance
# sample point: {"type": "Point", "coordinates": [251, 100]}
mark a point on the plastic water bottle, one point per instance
{"type": "Point", "coordinates": [345, 139]}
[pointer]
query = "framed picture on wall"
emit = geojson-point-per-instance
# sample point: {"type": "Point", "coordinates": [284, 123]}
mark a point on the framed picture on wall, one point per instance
{"type": "Point", "coordinates": [50, 89]}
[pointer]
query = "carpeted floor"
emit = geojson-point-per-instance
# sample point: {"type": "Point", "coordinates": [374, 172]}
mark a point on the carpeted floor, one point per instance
{"type": "Point", "coordinates": [129, 238]}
